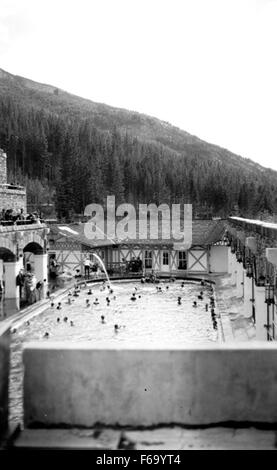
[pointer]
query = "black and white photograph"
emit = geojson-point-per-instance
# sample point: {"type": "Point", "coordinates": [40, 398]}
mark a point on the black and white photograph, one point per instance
{"type": "Point", "coordinates": [138, 228]}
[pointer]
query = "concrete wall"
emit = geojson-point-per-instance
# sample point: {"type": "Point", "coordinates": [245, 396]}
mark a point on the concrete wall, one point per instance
{"type": "Point", "coordinates": [219, 259]}
{"type": "Point", "coordinates": [4, 377]}
{"type": "Point", "coordinates": [81, 385]}
{"type": "Point", "coordinates": [261, 313]}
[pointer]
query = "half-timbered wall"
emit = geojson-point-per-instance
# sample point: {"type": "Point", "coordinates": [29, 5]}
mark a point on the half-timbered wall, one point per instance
{"type": "Point", "coordinates": [71, 257]}
{"type": "Point", "coordinates": [198, 260]}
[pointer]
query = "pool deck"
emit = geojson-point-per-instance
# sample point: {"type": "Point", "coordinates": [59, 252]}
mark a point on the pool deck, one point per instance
{"type": "Point", "coordinates": [162, 438]}
{"type": "Point", "coordinates": [235, 326]}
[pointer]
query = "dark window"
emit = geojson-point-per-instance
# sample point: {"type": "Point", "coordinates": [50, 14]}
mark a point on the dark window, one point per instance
{"type": "Point", "coordinates": [182, 260]}
{"type": "Point", "coordinates": [148, 259]}
{"type": "Point", "coordinates": [165, 258]}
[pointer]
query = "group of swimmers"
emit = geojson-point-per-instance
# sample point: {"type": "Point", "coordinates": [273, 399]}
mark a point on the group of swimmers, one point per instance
{"type": "Point", "coordinates": [76, 292]}
{"type": "Point", "coordinates": [134, 296]}
{"type": "Point", "coordinates": [201, 297]}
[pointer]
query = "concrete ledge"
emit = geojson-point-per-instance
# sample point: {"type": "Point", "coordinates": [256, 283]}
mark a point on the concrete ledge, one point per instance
{"type": "Point", "coordinates": [156, 439]}
{"type": "Point", "coordinates": [75, 385]}
{"type": "Point", "coordinates": [79, 439]}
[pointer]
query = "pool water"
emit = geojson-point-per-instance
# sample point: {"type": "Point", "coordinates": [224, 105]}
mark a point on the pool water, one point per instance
{"type": "Point", "coordinates": [155, 317]}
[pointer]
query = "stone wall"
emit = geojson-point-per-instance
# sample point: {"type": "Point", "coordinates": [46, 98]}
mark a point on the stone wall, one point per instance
{"type": "Point", "coordinates": [81, 385]}
{"type": "Point", "coordinates": [3, 167]}
{"type": "Point", "coordinates": [13, 199]}
{"type": "Point", "coordinates": [4, 377]}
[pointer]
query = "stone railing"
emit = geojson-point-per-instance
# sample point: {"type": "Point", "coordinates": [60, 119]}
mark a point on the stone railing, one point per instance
{"type": "Point", "coordinates": [20, 226]}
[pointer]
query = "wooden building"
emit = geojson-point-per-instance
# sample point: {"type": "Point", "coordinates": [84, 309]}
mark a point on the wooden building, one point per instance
{"type": "Point", "coordinates": [207, 254]}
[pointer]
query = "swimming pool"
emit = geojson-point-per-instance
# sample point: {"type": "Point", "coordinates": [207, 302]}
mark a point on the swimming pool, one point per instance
{"type": "Point", "coordinates": [154, 317]}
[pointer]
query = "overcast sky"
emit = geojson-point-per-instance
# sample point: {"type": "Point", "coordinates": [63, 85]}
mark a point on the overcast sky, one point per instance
{"type": "Point", "coordinates": [207, 66]}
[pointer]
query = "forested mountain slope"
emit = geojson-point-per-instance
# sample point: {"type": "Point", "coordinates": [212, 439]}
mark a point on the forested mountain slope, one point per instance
{"type": "Point", "coordinates": [74, 151]}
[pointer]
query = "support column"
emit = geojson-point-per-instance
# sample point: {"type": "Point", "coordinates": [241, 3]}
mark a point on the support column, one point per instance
{"type": "Point", "coordinates": [247, 296]}
{"type": "Point", "coordinates": [233, 268]}
{"type": "Point", "coordinates": [20, 260]}
{"type": "Point", "coordinates": [11, 270]}
{"type": "Point", "coordinates": [271, 255]}
{"type": "Point", "coordinates": [41, 271]}
{"type": "Point", "coordinates": [261, 313]}
{"type": "Point", "coordinates": [230, 261]}
{"type": "Point", "coordinates": [240, 279]}
{"type": "Point", "coordinates": [1, 274]}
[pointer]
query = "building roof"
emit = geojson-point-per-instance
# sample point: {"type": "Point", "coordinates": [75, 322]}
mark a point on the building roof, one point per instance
{"type": "Point", "coordinates": [204, 233]}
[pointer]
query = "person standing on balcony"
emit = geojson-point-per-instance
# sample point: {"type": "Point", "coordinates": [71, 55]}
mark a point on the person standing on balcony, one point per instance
{"type": "Point", "coordinates": [21, 215]}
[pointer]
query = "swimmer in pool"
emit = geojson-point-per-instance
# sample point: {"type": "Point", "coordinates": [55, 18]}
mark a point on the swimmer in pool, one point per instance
{"type": "Point", "coordinates": [65, 319]}
{"type": "Point", "coordinates": [179, 301]}
{"type": "Point", "coordinates": [116, 328]}
{"type": "Point", "coordinates": [71, 323]}
{"type": "Point", "coordinates": [102, 319]}
{"type": "Point", "coordinates": [58, 320]}
{"type": "Point", "coordinates": [194, 304]}
{"type": "Point", "coordinates": [46, 335]}
{"type": "Point", "coordinates": [133, 297]}
{"type": "Point", "coordinates": [207, 307]}
{"type": "Point", "coordinates": [96, 302]}
{"type": "Point", "coordinates": [108, 300]}
{"type": "Point", "coordinates": [52, 304]}
{"type": "Point", "coordinates": [87, 303]}
{"type": "Point", "coordinates": [89, 292]}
